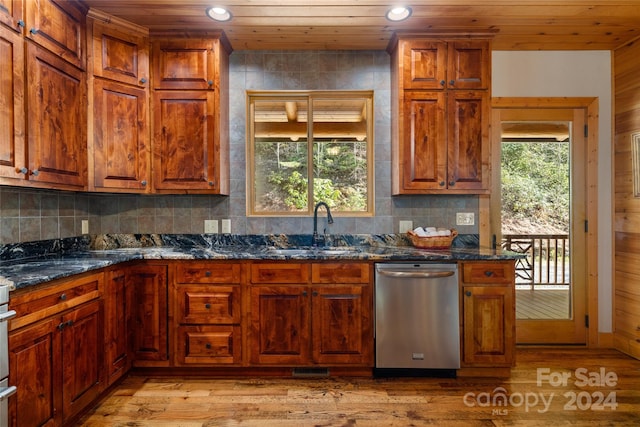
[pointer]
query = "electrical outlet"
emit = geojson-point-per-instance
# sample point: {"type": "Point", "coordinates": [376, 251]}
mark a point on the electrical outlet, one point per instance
{"type": "Point", "coordinates": [465, 218]}
{"type": "Point", "coordinates": [405, 226]}
{"type": "Point", "coordinates": [226, 226]}
{"type": "Point", "coordinates": [85, 226]}
{"type": "Point", "coordinates": [210, 226]}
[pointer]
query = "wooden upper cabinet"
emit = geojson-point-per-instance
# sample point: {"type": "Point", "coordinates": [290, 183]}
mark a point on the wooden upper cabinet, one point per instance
{"type": "Point", "coordinates": [13, 161]}
{"type": "Point", "coordinates": [185, 64]}
{"type": "Point", "coordinates": [118, 53]}
{"type": "Point", "coordinates": [58, 26]}
{"type": "Point", "coordinates": [440, 141]}
{"type": "Point", "coordinates": [436, 64]}
{"type": "Point", "coordinates": [57, 131]}
{"type": "Point", "coordinates": [11, 14]}
{"type": "Point", "coordinates": [190, 115]}
{"type": "Point", "coordinates": [120, 145]}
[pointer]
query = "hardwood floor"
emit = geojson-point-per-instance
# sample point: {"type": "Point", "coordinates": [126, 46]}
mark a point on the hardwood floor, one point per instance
{"type": "Point", "coordinates": [611, 397]}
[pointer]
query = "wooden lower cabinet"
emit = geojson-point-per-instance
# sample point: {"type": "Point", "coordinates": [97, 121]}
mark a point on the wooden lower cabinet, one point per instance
{"type": "Point", "coordinates": [148, 282]}
{"type": "Point", "coordinates": [118, 324]}
{"type": "Point", "coordinates": [57, 365]}
{"type": "Point", "coordinates": [488, 314]}
{"type": "Point", "coordinates": [312, 323]}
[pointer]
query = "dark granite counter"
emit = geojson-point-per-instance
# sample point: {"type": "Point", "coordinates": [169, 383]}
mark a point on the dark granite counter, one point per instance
{"type": "Point", "coordinates": [27, 265]}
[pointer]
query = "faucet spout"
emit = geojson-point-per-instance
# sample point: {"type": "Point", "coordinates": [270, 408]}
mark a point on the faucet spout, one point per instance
{"type": "Point", "coordinates": [315, 220]}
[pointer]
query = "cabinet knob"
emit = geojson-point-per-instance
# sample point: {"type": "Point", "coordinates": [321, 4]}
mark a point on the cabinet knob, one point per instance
{"type": "Point", "coordinates": [208, 346]}
{"type": "Point", "coordinates": [63, 297]}
{"type": "Point", "coordinates": [35, 172]}
{"type": "Point", "coordinates": [468, 293]}
{"type": "Point", "coordinates": [207, 306]}
{"type": "Point", "coordinates": [143, 80]}
{"type": "Point", "coordinates": [488, 273]}
{"type": "Point", "coordinates": [62, 325]}
{"type": "Point", "coordinates": [207, 273]}
{"type": "Point", "coordinates": [452, 183]}
{"type": "Point", "coordinates": [452, 82]}
{"type": "Point", "coordinates": [304, 293]}
{"type": "Point", "coordinates": [441, 183]}
{"type": "Point", "coordinates": [442, 82]}
{"type": "Point", "coordinates": [33, 31]}
{"type": "Point", "coordinates": [23, 171]}
{"type": "Point", "coordinates": [314, 293]}
{"type": "Point", "coordinates": [143, 183]}
{"type": "Point", "coordinates": [210, 82]}
{"type": "Point", "coordinates": [21, 23]}
{"type": "Point", "coordinates": [210, 183]}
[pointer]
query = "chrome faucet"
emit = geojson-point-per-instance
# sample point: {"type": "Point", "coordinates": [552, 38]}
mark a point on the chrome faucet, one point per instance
{"type": "Point", "coordinates": [314, 240]}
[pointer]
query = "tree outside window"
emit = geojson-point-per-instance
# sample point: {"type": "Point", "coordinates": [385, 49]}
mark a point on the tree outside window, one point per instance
{"type": "Point", "coordinates": [310, 147]}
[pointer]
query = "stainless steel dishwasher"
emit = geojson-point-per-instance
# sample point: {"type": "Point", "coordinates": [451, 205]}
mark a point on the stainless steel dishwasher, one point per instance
{"type": "Point", "coordinates": [417, 321]}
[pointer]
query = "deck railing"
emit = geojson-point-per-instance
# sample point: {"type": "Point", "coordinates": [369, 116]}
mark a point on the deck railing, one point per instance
{"type": "Point", "coordinates": [547, 260]}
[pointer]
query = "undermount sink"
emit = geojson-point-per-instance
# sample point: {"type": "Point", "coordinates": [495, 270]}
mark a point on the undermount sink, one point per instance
{"type": "Point", "coordinates": [312, 251]}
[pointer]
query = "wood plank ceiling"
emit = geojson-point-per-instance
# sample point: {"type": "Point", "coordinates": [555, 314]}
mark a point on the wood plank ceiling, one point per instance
{"type": "Point", "coordinates": [360, 24]}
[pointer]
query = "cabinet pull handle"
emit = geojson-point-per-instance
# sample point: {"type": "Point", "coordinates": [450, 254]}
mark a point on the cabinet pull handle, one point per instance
{"type": "Point", "coordinates": [7, 392]}
{"type": "Point", "coordinates": [7, 315]}
{"type": "Point", "coordinates": [468, 293]}
{"type": "Point", "coordinates": [488, 273]}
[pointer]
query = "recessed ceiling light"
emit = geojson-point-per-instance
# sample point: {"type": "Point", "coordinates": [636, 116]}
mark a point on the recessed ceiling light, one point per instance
{"type": "Point", "coordinates": [398, 13]}
{"type": "Point", "coordinates": [219, 14]}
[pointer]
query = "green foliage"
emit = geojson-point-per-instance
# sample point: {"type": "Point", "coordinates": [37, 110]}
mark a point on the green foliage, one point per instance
{"type": "Point", "coordinates": [535, 183]}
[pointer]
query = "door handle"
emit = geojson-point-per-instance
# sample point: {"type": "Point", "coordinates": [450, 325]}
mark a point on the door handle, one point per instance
{"type": "Point", "coordinates": [8, 315]}
{"type": "Point", "coordinates": [416, 274]}
{"type": "Point", "coordinates": [7, 392]}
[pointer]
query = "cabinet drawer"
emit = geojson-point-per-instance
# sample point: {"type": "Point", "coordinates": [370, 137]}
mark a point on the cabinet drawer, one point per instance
{"type": "Point", "coordinates": [39, 303]}
{"type": "Point", "coordinates": [209, 345]}
{"type": "Point", "coordinates": [340, 273]}
{"type": "Point", "coordinates": [488, 272]}
{"type": "Point", "coordinates": [204, 272]}
{"type": "Point", "coordinates": [285, 272]}
{"type": "Point", "coordinates": [211, 304]}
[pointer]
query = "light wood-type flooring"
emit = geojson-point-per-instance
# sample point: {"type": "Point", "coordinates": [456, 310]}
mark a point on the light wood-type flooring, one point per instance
{"type": "Point", "coordinates": [547, 387]}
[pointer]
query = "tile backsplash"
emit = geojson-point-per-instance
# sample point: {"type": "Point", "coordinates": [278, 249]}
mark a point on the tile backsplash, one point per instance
{"type": "Point", "coordinates": [31, 214]}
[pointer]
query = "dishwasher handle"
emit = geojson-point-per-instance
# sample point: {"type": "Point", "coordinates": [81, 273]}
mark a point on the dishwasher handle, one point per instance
{"type": "Point", "coordinates": [432, 274]}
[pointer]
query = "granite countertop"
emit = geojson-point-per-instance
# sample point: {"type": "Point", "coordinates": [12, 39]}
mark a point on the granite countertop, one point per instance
{"type": "Point", "coordinates": [103, 251]}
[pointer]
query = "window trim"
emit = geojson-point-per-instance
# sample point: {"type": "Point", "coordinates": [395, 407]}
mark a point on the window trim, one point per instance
{"type": "Point", "coordinates": [309, 96]}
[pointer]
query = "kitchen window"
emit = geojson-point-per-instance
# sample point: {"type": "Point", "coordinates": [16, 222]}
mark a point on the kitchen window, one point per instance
{"type": "Point", "coordinates": [310, 147]}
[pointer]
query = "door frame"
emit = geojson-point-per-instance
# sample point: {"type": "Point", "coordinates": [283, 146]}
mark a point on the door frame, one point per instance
{"type": "Point", "coordinates": [591, 106]}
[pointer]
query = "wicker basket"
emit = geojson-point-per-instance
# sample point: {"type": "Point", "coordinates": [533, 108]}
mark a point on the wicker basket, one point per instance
{"type": "Point", "coordinates": [433, 242]}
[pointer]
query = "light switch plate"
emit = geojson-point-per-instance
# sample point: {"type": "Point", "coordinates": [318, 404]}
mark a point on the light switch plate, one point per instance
{"type": "Point", "coordinates": [405, 226]}
{"type": "Point", "coordinates": [465, 218]}
{"type": "Point", "coordinates": [226, 226]}
{"type": "Point", "coordinates": [210, 226]}
{"type": "Point", "coordinates": [85, 226]}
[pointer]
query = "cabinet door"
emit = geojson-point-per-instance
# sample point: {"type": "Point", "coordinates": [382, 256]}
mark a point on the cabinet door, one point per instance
{"type": "Point", "coordinates": [57, 120]}
{"type": "Point", "coordinates": [120, 56]}
{"type": "Point", "coordinates": [489, 323]}
{"type": "Point", "coordinates": [468, 152]}
{"type": "Point", "coordinates": [121, 155]}
{"type": "Point", "coordinates": [150, 312]}
{"type": "Point", "coordinates": [118, 324]}
{"type": "Point", "coordinates": [469, 64]}
{"type": "Point", "coordinates": [342, 325]}
{"type": "Point", "coordinates": [186, 147]}
{"type": "Point", "coordinates": [11, 14]}
{"type": "Point", "coordinates": [58, 26]}
{"type": "Point", "coordinates": [280, 325]}
{"type": "Point", "coordinates": [423, 154]}
{"type": "Point", "coordinates": [187, 64]}
{"type": "Point", "coordinates": [33, 357]}
{"type": "Point", "coordinates": [424, 64]}
{"type": "Point", "coordinates": [13, 161]}
{"type": "Point", "coordinates": [82, 357]}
